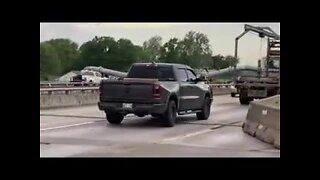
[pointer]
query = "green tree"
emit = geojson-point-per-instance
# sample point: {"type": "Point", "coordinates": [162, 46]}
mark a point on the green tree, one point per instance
{"type": "Point", "coordinates": [152, 48]}
{"type": "Point", "coordinates": [127, 54]}
{"type": "Point", "coordinates": [108, 53]}
{"type": "Point", "coordinates": [217, 62]}
{"type": "Point", "coordinates": [231, 60]}
{"type": "Point", "coordinates": [48, 60]}
{"type": "Point", "coordinates": [67, 53]}
{"type": "Point", "coordinates": [57, 56]}
{"type": "Point", "coordinates": [221, 62]}
{"type": "Point", "coordinates": [196, 50]}
{"type": "Point", "coordinates": [100, 51]}
{"type": "Point", "coordinates": [142, 56]}
{"type": "Point", "coordinates": [171, 51]}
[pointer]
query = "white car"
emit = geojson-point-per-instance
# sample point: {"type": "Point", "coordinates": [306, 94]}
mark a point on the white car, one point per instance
{"type": "Point", "coordinates": [234, 90]}
{"type": "Point", "coordinates": [92, 76]}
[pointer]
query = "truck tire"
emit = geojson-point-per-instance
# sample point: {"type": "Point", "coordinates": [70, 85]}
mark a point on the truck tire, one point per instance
{"type": "Point", "coordinates": [114, 118]}
{"type": "Point", "coordinates": [272, 92]}
{"type": "Point", "coordinates": [156, 115]}
{"type": "Point", "coordinates": [243, 97]}
{"type": "Point", "coordinates": [233, 94]}
{"type": "Point", "coordinates": [169, 117]}
{"type": "Point", "coordinates": [205, 112]}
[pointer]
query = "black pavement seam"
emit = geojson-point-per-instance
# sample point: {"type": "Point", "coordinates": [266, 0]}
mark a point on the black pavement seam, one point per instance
{"type": "Point", "coordinates": [46, 143]}
{"type": "Point", "coordinates": [214, 124]}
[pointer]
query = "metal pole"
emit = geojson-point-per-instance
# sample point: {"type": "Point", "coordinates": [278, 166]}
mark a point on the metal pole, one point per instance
{"type": "Point", "coordinates": [236, 49]}
{"type": "Point", "coordinates": [268, 58]}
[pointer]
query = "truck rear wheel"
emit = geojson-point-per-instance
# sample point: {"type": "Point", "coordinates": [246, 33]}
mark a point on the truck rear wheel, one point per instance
{"type": "Point", "coordinates": [169, 117]}
{"type": "Point", "coordinates": [114, 118]}
{"type": "Point", "coordinates": [156, 115]}
{"type": "Point", "coordinates": [243, 97]}
{"type": "Point", "coordinates": [205, 112]}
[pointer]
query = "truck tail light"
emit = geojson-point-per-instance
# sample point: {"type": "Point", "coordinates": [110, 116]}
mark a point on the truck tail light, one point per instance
{"type": "Point", "coordinates": [156, 91]}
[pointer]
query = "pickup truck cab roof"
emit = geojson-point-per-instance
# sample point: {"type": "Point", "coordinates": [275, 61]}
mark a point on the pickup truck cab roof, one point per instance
{"type": "Point", "coordinates": [162, 64]}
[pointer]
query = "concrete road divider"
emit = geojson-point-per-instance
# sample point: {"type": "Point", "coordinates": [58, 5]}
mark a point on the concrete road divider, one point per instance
{"type": "Point", "coordinates": [67, 97]}
{"type": "Point", "coordinates": [220, 89]}
{"type": "Point", "coordinates": [263, 120]}
{"type": "Point", "coordinates": [58, 97]}
{"type": "Point", "coordinates": [252, 121]}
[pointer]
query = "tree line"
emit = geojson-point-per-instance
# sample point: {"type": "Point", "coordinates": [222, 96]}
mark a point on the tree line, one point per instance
{"type": "Point", "coordinates": [59, 56]}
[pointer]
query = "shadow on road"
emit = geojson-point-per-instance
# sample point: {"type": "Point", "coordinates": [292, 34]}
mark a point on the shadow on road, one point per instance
{"type": "Point", "coordinates": [138, 122]}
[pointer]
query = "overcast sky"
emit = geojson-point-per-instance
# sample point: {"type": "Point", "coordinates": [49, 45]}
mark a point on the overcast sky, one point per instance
{"type": "Point", "coordinates": [222, 35]}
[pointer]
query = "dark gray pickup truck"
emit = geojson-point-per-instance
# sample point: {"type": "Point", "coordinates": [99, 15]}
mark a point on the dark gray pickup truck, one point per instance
{"type": "Point", "coordinates": [160, 89]}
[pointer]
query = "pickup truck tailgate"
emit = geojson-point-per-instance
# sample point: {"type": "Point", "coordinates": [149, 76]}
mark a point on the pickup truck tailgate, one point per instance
{"type": "Point", "coordinates": [128, 90]}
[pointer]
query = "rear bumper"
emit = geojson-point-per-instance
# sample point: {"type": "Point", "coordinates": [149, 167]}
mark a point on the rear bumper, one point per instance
{"type": "Point", "coordinates": [136, 108]}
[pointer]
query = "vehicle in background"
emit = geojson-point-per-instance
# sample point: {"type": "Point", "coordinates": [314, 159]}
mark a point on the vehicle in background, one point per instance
{"type": "Point", "coordinates": [76, 78]}
{"type": "Point", "coordinates": [268, 82]}
{"type": "Point", "coordinates": [92, 76]}
{"type": "Point", "coordinates": [234, 90]}
{"type": "Point", "coordinates": [160, 89]}
{"type": "Point", "coordinates": [88, 76]}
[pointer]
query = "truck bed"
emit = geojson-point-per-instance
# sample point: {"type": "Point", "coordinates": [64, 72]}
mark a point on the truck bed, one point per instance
{"type": "Point", "coordinates": [129, 90]}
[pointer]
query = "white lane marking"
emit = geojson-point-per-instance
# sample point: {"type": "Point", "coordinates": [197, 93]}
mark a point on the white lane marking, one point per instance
{"type": "Point", "coordinates": [66, 126]}
{"type": "Point", "coordinates": [187, 135]}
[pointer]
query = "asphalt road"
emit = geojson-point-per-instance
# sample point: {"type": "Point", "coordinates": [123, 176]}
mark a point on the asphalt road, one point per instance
{"type": "Point", "coordinates": [84, 132]}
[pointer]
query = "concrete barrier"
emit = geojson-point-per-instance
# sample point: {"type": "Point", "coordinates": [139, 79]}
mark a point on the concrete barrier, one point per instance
{"type": "Point", "coordinates": [75, 96]}
{"type": "Point", "coordinates": [263, 120]}
{"type": "Point", "coordinates": [67, 98]}
{"type": "Point", "coordinates": [221, 91]}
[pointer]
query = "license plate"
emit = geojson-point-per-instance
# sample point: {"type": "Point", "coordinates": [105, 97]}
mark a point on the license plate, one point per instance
{"type": "Point", "coordinates": [127, 105]}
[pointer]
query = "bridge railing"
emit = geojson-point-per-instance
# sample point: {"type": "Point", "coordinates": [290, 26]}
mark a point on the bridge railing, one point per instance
{"type": "Point", "coordinates": [220, 85]}
{"type": "Point", "coordinates": [66, 84]}
{"type": "Point", "coordinates": [69, 88]}
{"type": "Point", "coordinates": [51, 97]}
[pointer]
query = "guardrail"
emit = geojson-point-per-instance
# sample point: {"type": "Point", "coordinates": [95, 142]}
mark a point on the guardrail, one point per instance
{"type": "Point", "coordinates": [220, 85]}
{"type": "Point", "coordinates": [88, 84]}
{"type": "Point", "coordinates": [57, 97]}
{"type": "Point", "coordinates": [66, 84]}
{"type": "Point", "coordinates": [71, 89]}
{"type": "Point", "coordinates": [68, 90]}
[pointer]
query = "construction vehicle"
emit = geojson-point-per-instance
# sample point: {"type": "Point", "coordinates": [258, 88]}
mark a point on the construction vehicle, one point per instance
{"type": "Point", "coordinates": [268, 81]}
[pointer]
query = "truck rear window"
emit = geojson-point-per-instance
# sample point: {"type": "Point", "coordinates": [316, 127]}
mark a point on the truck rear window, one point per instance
{"type": "Point", "coordinates": [163, 73]}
